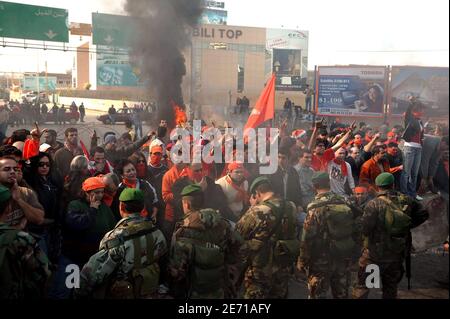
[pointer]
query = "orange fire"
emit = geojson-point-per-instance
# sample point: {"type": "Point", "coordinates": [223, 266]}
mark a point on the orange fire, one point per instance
{"type": "Point", "coordinates": [180, 115]}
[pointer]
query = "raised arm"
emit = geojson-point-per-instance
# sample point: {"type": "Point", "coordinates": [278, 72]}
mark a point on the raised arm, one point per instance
{"type": "Point", "coordinates": [368, 147]}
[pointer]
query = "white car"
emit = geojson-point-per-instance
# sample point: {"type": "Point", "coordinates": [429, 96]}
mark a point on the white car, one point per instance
{"type": "Point", "coordinates": [30, 97]}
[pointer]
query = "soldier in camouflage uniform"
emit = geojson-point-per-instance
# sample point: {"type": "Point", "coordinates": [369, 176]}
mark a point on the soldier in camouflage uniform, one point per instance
{"type": "Point", "coordinates": [202, 247]}
{"type": "Point", "coordinates": [126, 267]}
{"type": "Point", "coordinates": [270, 249]}
{"type": "Point", "coordinates": [24, 268]}
{"type": "Point", "coordinates": [328, 242]}
{"type": "Point", "coordinates": [386, 224]}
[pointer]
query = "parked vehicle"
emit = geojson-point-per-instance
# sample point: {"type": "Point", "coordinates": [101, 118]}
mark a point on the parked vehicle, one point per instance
{"type": "Point", "coordinates": [122, 116]}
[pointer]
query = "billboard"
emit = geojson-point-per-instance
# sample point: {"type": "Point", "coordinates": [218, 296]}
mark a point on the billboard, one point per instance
{"type": "Point", "coordinates": [428, 84]}
{"type": "Point", "coordinates": [287, 53]}
{"type": "Point", "coordinates": [114, 68]}
{"type": "Point", "coordinates": [113, 30]}
{"type": "Point", "coordinates": [42, 83]}
{"type": "Point", "coordinates": [352, 91]}
{"type": "Point", "coordinates": [211, 16]}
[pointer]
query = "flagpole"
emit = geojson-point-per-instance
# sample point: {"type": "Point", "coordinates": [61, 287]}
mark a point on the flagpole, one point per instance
{"type": "Point", "coordinates": [272, 122]}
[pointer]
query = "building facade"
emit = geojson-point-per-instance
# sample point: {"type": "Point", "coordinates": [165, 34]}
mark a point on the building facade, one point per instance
{"type": "Point", "coordinates": [224, 62]}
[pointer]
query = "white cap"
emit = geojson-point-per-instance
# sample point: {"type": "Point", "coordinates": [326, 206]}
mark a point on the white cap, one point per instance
{"type": "Point", "coordinates": [44, 147]}
{"type": "Point", "coordinates": [19, 145]}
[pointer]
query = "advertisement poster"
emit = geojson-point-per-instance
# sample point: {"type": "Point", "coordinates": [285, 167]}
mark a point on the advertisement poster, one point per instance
{"type": "Point", "coordinates": [210, 16]}
{"type": "Point", "coordinates": [114, 68]}
{"type": "Point", "coordinates": [352, 91]}
{"type": "Point", "coordinates": [287, 53]}
{"type": "Point", "coordinates": [428, 84]}
{"type": "Point", "coordinates": [42, 83]}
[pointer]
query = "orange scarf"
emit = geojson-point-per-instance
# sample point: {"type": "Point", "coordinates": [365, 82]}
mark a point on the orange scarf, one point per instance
{"type": "Point", "coordinates": [108, 199]}
{"type": "Point", "coordinates": [343, 166]}
{"type": "Point", "coordinates": [129, 184]}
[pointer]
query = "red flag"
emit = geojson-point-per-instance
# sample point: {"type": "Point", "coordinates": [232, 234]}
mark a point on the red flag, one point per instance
{"type": "Point", "coordinates": [30, 149]}
{"type": "Point", "coordinates": [85, 151]}
{"type": "Point", "coordinates": [264, 108]}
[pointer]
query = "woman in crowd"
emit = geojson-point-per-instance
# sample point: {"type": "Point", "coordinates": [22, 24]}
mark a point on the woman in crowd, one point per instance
{"type": "Point", "coordinates": [48, 187]}
{"type": "Point", "coordinates": [127, 170]}
{"type": "Point", "coordinates": [79, 172]}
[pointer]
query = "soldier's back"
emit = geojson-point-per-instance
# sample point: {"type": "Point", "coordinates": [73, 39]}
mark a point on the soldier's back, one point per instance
{"type": "Point", "coordinates": [126, 267]}
{"type": "Point", "coordinates": [24, 268]}
{"type": "Point", "coordinates": [198, 255]}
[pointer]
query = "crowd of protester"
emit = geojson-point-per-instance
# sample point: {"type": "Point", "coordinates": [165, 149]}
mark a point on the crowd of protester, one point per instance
{"type": "Point", "coordinates": [69, 195]}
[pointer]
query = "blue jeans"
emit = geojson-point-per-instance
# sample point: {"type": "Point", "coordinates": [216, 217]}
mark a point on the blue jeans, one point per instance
{"type": "Point", "coordinates": [308, 104]}
{"type": "Point", "coordinates": [138, 129]}
{"type": "Point", "coordinates": [411, 165]}
{"type": "Point", "coordinates": [3, 128]}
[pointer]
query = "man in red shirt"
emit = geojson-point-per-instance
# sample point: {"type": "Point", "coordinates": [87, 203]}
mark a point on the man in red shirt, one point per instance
{"type": "Point", "coordinates": [170, 177]}
{"type": "Point", "coordinates": [323, 156]}
{"type": "Point", "coordinates": [375, 166]}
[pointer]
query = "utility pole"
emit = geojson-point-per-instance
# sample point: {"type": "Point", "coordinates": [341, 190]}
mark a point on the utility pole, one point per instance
{"type": "Point", "coordinates": [46, 77]}
{"type": "Point", "coordinates": [37, 76]}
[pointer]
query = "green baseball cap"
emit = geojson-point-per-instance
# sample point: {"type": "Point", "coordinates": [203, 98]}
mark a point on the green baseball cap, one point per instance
{"type": "Point", "coordinates": [131, 194]}
{"type": "Point", "coordinates": [191, 190]}
{"type": "Point", "coordinates": [320, 177]}
{"type": "Point", "coordinates": [258, 181]}
{"type": "Point", "coordinates": [384, 179]}
{"type": "Point", "coordinates": [5, 194]}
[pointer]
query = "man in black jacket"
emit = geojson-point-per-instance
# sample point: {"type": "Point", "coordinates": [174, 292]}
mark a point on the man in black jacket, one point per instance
{"type": "Point", "coordinates": [285, 180]}
{"type": "Point", "coordinates": [115, 152]}
{"type": "Point", "coordinates": [355, 160]}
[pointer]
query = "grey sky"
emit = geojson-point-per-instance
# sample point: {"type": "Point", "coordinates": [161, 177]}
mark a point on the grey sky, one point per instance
{"type": "Point", "coordinates": [382, 32]}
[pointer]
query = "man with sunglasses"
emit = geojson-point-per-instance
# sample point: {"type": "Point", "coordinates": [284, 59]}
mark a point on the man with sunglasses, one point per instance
{"type": "Point", "coordinates": [25, 205]}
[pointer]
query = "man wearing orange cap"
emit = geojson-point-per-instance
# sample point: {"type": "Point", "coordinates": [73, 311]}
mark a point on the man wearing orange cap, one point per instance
{"type": "Point", "coordinates": [391, 138]}
{"type": "Point", "coordinates": [361, 196]}
{"type": "Point", "coordinates": [87, 220]}
{"type": "Point", "coordinates": [235, 187]}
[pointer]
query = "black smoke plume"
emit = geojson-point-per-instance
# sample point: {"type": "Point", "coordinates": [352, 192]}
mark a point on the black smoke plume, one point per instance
{"type": "Point", "coordinates": [162, 34]}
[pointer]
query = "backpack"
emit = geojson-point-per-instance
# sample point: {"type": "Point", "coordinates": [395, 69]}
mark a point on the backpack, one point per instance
{"type": "Point", "coordinates": [14, 280]}
{"type": "Point", "coordinates": [340, 227]}
{"type": "Point", "coordinates": [206, 265]}
{"type": "Point", "coordinates": [287, 245]}
{"type": "Point", "coordinates": [143, 280]}
{"type": "Point", "coordinates": [397, 224]}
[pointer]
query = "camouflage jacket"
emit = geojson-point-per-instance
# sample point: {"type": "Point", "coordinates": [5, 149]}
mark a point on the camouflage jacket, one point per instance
{"type": "Point", "coordinates": [258, 229]}
{"type": "Point", "coordinates": [206, 228]}
{"type": "Point", "coordinates": [373, 223]}
{"type": "Point", "coordinates": [117, 255]}
{"type": "Point", "coordinates": [24, 268]}
{"type": "Point", "coordinates": [314, 245]}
